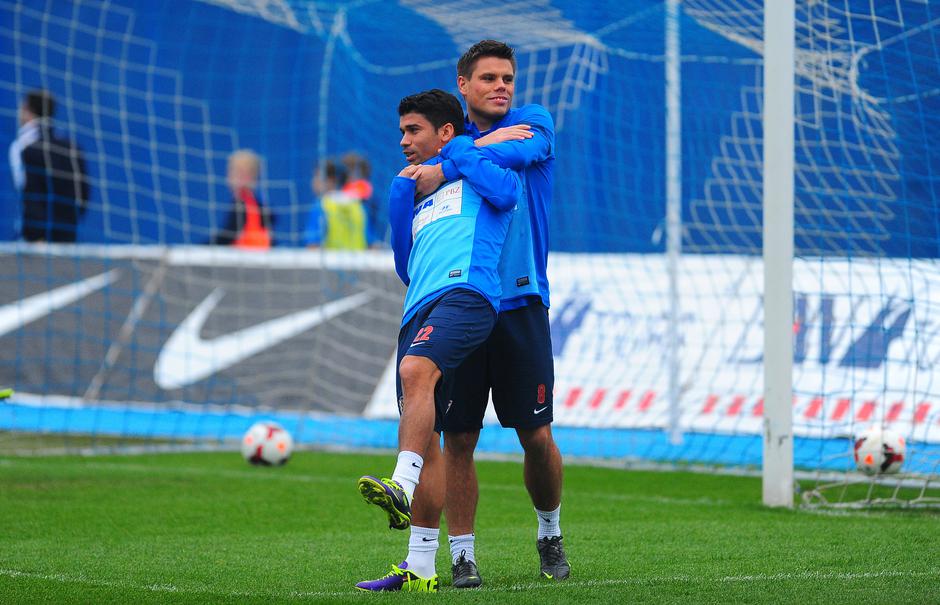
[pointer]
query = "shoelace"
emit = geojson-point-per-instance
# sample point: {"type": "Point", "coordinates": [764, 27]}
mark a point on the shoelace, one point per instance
{"type": "Point", "coordinates": [461, 565]}
{"type": "Point", "coordinates": [552, 552]}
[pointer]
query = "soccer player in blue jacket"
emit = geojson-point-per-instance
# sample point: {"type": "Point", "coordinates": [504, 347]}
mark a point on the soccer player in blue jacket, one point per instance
{"type": "Point", "coordinates": [516, 361]}
{"type": "Point", "coordinates": [447, 247]}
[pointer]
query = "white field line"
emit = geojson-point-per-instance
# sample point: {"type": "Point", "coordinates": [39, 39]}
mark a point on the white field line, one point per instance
{"type": "Point", "coordinates": [159, 588]}
{"type": "Point", "coordinates": [524, 587]}
{"type": "Point", "coordinates": [860, 512]}
{"type": "Point", "coordinates": [276, 475]}
{"type": "Point", "coordinates": [744, 579]}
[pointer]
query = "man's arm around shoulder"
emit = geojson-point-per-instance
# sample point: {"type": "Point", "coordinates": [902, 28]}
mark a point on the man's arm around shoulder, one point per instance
{"type": "Point", "coordinates": [501, 187]}
{"type": "Point", "coordinates": [519, 154]}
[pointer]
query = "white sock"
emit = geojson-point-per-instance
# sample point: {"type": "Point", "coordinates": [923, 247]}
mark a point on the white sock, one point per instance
{"type": "Point", "coordinates": [548, 522]}
{"type": "Point", "coordinates": [422, 550]}
{"type": "Point", "coordinates": [462, 545]}
{"type": "Point", "coordinates": [408, 471]}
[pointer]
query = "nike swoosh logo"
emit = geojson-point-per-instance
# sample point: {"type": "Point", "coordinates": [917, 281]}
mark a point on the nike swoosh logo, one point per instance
{"type": "Point", "coordinates": [16, 315]}
{"type": "Point", "coordinates": [428, 540]}
{"type": "Point", "coordinates": [539, 410]}
{"type": "Point", "coordinates": [186, 358]}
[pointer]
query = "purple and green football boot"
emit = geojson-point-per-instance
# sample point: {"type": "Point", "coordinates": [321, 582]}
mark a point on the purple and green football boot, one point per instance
{"type": "Point", "coordinates": [400, 579]}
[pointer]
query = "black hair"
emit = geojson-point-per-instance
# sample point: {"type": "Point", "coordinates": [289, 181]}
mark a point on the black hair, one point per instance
{"type": "Point", "coordinates": [484, 48]}
{"type": "Point", "coordinates": [437, 106]}
{"type": "Point", "coordinates": [40, 103]}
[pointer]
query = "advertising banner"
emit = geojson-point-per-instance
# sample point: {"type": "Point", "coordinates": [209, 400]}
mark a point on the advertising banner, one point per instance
{"type": "Point", "coordinates": [312, 331]}
{"type": "Point", "coordinates": [866, 344]}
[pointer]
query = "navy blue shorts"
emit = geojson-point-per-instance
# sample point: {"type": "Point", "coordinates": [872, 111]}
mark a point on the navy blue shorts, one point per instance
{"type": "Point", "coordinates": [447, 331]}
{"type": "Point", "coordinates": [516, 362]}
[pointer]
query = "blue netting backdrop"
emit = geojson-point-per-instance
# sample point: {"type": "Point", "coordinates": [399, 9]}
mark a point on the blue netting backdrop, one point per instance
{"type": "Point", "coordinates": [157, 93]}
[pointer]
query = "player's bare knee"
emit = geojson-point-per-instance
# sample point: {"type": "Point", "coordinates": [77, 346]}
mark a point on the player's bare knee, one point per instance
{"type": "Point", "coordinates": [537, 441]}
{"type": "Point", "coordinates": [460, 445]}
{"type": "Point", "coordinates": [418, 373]}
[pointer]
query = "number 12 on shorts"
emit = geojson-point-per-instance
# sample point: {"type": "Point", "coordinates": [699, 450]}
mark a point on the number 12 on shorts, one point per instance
{"type": "Point", "coordinates": [423, 335]}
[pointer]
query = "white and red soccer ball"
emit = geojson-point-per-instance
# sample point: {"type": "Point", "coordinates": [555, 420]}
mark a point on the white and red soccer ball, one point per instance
{"type": "Point", "coordinates": [879, 451]}
{"type": "Point", "coordinates": [267, 444]}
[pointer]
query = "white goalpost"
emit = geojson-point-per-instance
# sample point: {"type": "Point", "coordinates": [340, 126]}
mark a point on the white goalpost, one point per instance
{"type": "Point", "coordinates": [779, 55]}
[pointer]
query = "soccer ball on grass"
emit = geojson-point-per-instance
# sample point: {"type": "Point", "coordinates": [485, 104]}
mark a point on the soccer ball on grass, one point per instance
{"type": "Point", "coordinates": [267, 444]}
{"type": "Point", "coordinates": [879, 451]}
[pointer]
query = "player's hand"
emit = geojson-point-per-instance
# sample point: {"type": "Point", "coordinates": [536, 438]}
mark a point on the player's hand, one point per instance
{"type": "Point", "coordinates": [508, 133]}
{"type": "Point", "coordinates": [428, 178]}
{"type": "Point", "coordinates": [409, 171]}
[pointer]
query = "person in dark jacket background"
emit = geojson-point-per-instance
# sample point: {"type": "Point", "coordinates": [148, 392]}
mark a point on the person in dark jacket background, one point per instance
{"type": "Point", "coordinates": [50, 172]}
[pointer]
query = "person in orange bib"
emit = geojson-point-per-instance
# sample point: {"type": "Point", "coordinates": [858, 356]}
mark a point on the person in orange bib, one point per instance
{"type": "Point", "coordinates": [248, 223]}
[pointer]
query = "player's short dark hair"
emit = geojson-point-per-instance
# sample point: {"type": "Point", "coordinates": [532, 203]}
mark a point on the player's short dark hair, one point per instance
{"type": "Point", "coordinates": [484, 48]}
{"type": "Point", "coordinates": [437, 106]}
{"type": "Point", "coordinates": [40, 103]}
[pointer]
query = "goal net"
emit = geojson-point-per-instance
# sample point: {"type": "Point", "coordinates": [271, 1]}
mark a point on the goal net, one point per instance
{"type": "Point", "coordinates": [142, 333]}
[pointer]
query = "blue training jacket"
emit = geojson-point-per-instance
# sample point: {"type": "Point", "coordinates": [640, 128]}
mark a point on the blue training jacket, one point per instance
{"type": "Point", "coordinates": [523, 264]}
{"type": "Point", "coordinates": [454, 237]}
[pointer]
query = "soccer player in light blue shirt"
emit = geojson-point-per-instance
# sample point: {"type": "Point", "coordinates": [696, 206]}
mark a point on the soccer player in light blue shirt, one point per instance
{"type": "Point", "coordinates": [516, 362]}
{"type": "Point", "coordinates": [447, 247]}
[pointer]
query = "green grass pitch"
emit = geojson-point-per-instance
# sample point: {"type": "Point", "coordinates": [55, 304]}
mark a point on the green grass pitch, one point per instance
{"type": "Point", "coordinates": [208, 528]}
